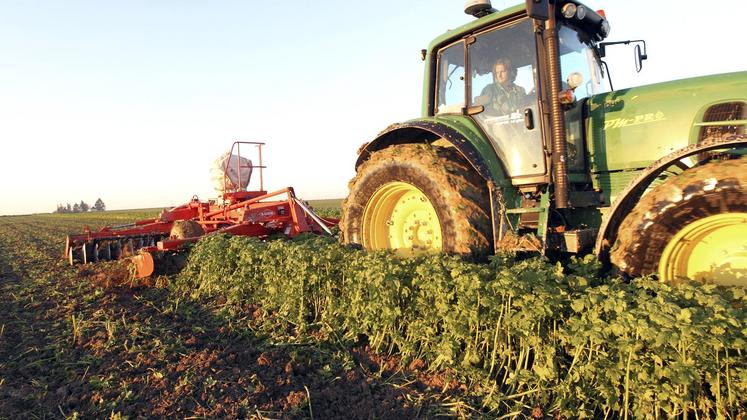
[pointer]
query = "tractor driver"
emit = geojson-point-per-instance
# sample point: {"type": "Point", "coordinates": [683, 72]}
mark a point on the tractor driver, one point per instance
{"type": "Point", "coordinates": [503, 96]}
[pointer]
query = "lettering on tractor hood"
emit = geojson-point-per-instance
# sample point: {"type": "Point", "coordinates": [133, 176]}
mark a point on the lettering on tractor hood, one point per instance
{"type": "Point", "coordinates": [639, 119]}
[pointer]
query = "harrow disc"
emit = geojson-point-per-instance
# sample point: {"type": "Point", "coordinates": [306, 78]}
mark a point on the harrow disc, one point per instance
{"type": "Point", "coordinates": [143, 263]}
{"type": "Point", "coordinates": [88, 252]}
{"type": "Point", "coordinates": [150, 262]}
{"type": "Point", "coordinates": [75, 254]}
{"type": "Point", "coordinates": [103, 251]}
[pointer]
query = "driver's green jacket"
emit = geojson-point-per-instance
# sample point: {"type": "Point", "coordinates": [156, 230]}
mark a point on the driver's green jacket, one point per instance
{"type": "Point", "coordinates": [502, 100]}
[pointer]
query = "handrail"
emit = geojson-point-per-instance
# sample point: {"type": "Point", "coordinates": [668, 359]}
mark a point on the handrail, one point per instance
{"type": "Point", "coordinates": [237, 145]}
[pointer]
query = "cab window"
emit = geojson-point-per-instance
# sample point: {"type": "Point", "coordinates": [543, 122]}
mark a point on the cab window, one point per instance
{"type": "Point", "coordinates": [451, 79]}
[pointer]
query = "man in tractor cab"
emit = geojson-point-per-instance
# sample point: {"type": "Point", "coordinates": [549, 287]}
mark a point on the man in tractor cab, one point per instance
{"type": "Point", "coordinates": [503, 96]}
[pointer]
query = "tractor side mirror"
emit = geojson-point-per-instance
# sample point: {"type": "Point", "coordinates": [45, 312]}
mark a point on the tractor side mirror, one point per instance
{"type": "Point", "coordinates": [639, 57]}
{"type": "Point", "coordinates": [639, 53]}
{"type": "Point", "coordinates": [538, 9]}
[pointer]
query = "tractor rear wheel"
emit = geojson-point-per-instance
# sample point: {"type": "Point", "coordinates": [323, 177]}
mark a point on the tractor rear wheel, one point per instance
{"type": "Point", "coordinates": [418, 199]}
{"type": "Point", "coordinates": [691, 226]}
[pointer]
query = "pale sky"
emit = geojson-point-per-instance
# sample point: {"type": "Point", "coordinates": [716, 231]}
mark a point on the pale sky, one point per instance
{"type": "Point", "coordinates": [131, 101]}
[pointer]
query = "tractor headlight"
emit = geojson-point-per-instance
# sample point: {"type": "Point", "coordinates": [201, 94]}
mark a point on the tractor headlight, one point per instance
{"type": "Point", "coordinates": [569, 10]}
{"type": "Point", "coordinates": [580, 17]}
{"type": "Point", "coordinates": [605, 29]}
{"type": "Point", "coordinates": [580, 12]}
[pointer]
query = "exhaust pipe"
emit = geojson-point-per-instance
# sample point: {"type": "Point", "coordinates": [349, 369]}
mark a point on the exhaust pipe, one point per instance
{"type": "Point", "coordinates": [557, 119]}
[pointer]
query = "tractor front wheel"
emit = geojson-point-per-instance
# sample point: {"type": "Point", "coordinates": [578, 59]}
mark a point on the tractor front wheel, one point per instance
{"type": "Point", "coordinates": [692, 226]}
{"type": "Point", "coordinates": [418, 199]}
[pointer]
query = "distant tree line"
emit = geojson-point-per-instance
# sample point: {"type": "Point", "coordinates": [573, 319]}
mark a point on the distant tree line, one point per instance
{"type": "Point", "coordinates": [81, 207]}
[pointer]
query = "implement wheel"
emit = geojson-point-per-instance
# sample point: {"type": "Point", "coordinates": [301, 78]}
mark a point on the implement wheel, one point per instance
{"type": "Point", "coordinates": [418, 199]}
{"type": "Point", "coordinates": [692, 226]}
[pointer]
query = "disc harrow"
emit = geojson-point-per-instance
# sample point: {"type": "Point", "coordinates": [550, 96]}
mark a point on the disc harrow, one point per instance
{"type": "Point", "coordinates": [93, 249]}
{"type": "Point", "coordinates": [155, 246]}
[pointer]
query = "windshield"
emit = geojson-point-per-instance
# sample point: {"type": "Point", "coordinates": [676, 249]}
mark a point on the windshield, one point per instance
{"type": "Point", "coordinates": [577, 56]}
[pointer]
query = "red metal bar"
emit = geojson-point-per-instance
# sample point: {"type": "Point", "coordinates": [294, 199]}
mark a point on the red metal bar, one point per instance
{"type": "Point", "coordinates": [246, 229]}
{"type": "Point", "coordinates": [299, 219]}
{"type": "Point", "coordinates": [261, 167]}
{"type": "Point", "coordinates": [154, 228]}
{"type": "Point", "coordinates": [238, 161]}
{"type": "Point", "coordinates": [245, 203]}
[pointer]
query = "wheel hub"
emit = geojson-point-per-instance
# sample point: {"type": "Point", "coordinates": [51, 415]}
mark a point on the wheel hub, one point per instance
{"type": "Point", "coordinates": [400, 217]}
{"type": "Point", "coordinates": [713, 249]}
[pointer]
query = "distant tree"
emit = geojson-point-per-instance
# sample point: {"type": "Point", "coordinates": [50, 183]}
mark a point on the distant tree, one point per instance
{"type": "Point", "coordinates": [99, 205]}
{"type": "Point", "coordinates": [68, 208]}
{"type": "Point", "coordinates": [84, 206]}
{"type": "Point", "coordinates": [76, 208]}
{"type": "Point", "coordinates": [60, 208]}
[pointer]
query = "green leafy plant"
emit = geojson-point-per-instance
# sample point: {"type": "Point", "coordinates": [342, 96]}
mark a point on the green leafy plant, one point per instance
{"type": "Point", "coordinates": [532, 333]}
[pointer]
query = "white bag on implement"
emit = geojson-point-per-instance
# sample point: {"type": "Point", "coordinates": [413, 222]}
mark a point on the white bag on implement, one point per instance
{"type": "Point", "coordinates": [229, 165]}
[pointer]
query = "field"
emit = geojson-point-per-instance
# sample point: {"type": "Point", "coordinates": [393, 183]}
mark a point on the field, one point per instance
{"type": "Point", "coordinates": [73, 342]}
{"type": "Point", "coordinates": [310, 328]}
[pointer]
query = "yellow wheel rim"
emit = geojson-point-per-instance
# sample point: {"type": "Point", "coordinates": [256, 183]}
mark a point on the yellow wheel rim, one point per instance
{"type": "Point", "coordinates": [713, 249]}
{"type": "Point", "coordinates": [400, 217]}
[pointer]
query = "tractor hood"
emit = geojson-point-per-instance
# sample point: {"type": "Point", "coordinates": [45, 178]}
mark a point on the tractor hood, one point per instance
{"type": "Point", "coordinates": [632, 128]}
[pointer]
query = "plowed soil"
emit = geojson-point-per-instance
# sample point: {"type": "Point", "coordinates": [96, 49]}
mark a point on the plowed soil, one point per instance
{"type": "Point", "coordinates": [84, 341]}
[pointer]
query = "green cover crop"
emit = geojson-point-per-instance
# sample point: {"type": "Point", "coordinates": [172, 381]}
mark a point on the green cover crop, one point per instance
{"type": "Point", "coordinates": [527, 334]}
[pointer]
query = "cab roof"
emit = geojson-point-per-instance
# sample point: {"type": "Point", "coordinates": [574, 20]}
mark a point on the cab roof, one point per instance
{"type": "Point", "coordinates": [473, 26]}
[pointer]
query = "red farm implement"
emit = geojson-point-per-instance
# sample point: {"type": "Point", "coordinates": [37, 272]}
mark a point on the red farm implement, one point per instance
{"type": "Point", "coordinates": [154, 244]}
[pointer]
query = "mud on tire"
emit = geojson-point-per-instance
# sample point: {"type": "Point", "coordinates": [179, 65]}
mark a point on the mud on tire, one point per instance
{"type": "Point", "coordinates": [712, 189]}
{"type": "Point", "coordinates": [458, 194]}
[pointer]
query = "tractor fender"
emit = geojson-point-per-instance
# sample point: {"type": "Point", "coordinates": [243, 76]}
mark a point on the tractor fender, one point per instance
{"type": "Point", "coordinates": [426, 131]}
{"type": "Point", "coordinates": [629, 197]}
{"type": "Point", "coordinates": [471, 144]}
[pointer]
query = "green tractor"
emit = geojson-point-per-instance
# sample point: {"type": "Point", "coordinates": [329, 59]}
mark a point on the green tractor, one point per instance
{"type": "Point", "coordinates": [519, 148]}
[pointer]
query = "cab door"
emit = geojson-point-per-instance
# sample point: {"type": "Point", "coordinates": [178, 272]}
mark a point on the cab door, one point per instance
{"type": "Point", "coordinates": [503, 78]}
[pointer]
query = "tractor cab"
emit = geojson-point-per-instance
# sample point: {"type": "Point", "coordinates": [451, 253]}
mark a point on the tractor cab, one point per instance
{"type": "Point", "coordinates": [493, 74]}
